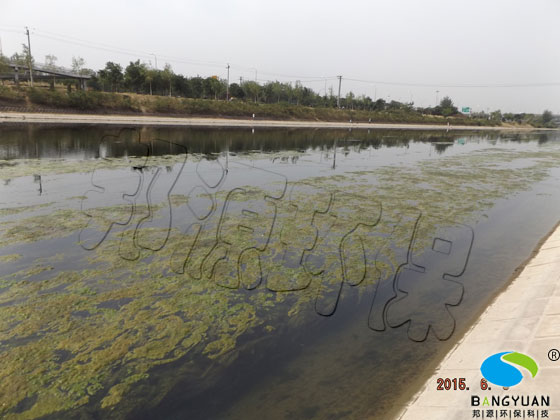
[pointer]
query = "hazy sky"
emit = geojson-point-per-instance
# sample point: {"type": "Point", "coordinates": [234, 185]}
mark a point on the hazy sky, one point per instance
{"type": "Point", "coordinates": [399, 49]}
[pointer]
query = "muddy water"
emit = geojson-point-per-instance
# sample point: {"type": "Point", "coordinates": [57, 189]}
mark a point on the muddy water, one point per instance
{"type": "Point", "coordinates": [178, 273]}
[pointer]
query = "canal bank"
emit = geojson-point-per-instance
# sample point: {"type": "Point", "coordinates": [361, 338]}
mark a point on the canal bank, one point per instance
{"type": "Point", "coordinates": [524, 318]}
{"type": "Point", "coordinates": [52, 118]}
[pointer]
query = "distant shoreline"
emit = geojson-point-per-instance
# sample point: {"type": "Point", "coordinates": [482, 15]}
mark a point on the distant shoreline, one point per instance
{"type": "Point", "coordinates": [145, 120]}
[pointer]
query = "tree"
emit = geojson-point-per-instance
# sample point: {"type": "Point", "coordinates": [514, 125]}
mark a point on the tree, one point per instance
{"type": "Point", "coordinates": [273, 92]}
{"type": "Point", "coordinates": [197, 86]}
{"type": "Point", "coordinates": [252, 90]}
{"type": "Point", "coordinates": [236, 91]}
{"type": "Point", "coordinates": [367, 102]}
{"type": "Point", "coordinates": [112, 75]}
{"type": "Point", "coordinates": [28, 57]}
{"type": "Point", "coordinates": [298, 92]}
{"type": "Point", "coordinates": [87, 72]}
{"type": "Point", "coordinates": [394, 105]}
{"type": "Point", "coordinates": [149, 77]}
{"type": "Point", "coordinates": [547, 116]}
{"type": "Point", "coordinates": [22, 59]}
{"type": "Point", "coordinates": [50, 62]}
{"type": "Point", "coordinates": [95, 83]}
{"type": "Point", "coordinates": [447, 107]}
{"type": "Point", "coordinates": [213, 87]}
{"type": "Point", "coordinates": [308, 98]}
{"type": "Point", "coordinates": [496, 115]}
{"type": "Point", "coordinates": [135, 76]}
{"type": "Point", "coordinates": [167, 75]}
{"type": "Point", "coordinates": [350, 99]}
{"type": "Point", "coordinates": [289, 92]}
{"type": "Point", "coordinates": [181, 86]}
{"type": "Point", "coordinates": [4, 65]}
{"type": "Point", "coordinates": [78, 64]}
{"type": "Point", "coordinates": [379, 105]}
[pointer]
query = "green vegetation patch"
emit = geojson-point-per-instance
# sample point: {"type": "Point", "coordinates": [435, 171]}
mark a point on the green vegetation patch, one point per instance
{"type": "Point", "coordinates": [90, 336]}
{"type": "Point", "coordinates": [10, 258]}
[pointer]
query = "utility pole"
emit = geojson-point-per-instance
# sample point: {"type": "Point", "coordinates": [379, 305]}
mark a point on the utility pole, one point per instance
{"type": "Point", "coordinates": [155, 57]}
{"type": "Point", "coordinates": [339, 84]}
{"type": "Point", "coordinates": [29, 56]}
{"type": "Point", "coordinates": [437, 97]}
{"type": "Point", "coordinates": [227, 88]}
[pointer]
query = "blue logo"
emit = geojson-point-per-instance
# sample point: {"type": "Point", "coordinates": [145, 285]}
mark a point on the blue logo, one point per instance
{"type": "Point", "coordinates": [502, 368]}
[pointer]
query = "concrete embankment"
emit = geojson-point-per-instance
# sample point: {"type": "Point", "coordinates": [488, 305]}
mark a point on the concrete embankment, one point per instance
{"type": "Point", "coordinates": [46, 118]}
{"type": "Point", "coordinates": [524, 318]}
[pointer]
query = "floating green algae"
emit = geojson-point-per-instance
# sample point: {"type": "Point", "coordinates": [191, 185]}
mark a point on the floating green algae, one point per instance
{"type": "Point", "coordinates": [9, 211]}
{"type": "Point", "coordinates": [10, 258]}
{"type": "Point", "coordinates": [157, 330]}
{"type": "Point", "coordinates": [57, 224]}
{"type": "Point", "coordinates": [28, 167]}
{"type": "Point", "coordinates": [451, 195]}
{"type": "Point", "coordinates": [116, 320]}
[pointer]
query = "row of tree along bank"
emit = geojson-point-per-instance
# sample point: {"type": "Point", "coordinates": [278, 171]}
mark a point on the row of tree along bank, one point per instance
{"type": "Point", "coordinates": [139, 88]}
{"type": "Point", "coordinates": [113, 103]}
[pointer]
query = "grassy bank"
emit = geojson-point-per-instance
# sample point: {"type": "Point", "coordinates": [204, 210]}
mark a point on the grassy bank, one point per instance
{"type": "Point", "coordinates": [107, 103]}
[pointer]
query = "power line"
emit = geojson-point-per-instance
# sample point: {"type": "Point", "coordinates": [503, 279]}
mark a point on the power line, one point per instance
{"type": "Point", "coordinates": [10, 26]}
{"type": "Point", "coordinates": [113, 50]}
{"type": "Point", "coordinates": [291, 76]}
{"type": "Point", "coordinates": [123, 51]}
{"type": "Point", "coordinates": [145, 54]}
{"type": "Point", "coordinates": [307, 79]}
{"type": "Point", "coordinates": [433, 85]}
{"type": "Point", "coordinates": [87, 42]}
{"type": "Point", "coordinates": [130, 51]}
{"type": "Point", "coordinates": [15, 31]}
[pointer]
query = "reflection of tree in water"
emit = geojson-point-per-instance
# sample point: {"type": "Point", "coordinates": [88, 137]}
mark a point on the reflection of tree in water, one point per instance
{"type": "Point", "coordinates": [442, 147]}
{"type": "Point", "coordinates": [84, 142]}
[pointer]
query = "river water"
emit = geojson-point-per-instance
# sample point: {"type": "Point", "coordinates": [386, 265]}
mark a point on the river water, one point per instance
{"type": "Point", "coordinates": [220, 273]}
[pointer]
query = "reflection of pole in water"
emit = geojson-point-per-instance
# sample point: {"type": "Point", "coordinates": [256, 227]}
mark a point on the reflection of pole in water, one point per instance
{"type": "Point", "coordinates": [334, 158]}
{"type": "Point", "coordinates": [37, 178]}
{"type": "Point", "coordinates": [227, 155]}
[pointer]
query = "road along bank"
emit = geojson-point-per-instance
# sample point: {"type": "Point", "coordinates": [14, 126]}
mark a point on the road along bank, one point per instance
{"type": "Point", "coordinates": [52, 118]}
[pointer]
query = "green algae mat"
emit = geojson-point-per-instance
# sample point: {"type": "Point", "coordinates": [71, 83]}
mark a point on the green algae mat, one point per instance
{"type": "Point", "coordinates": [215, 274]}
